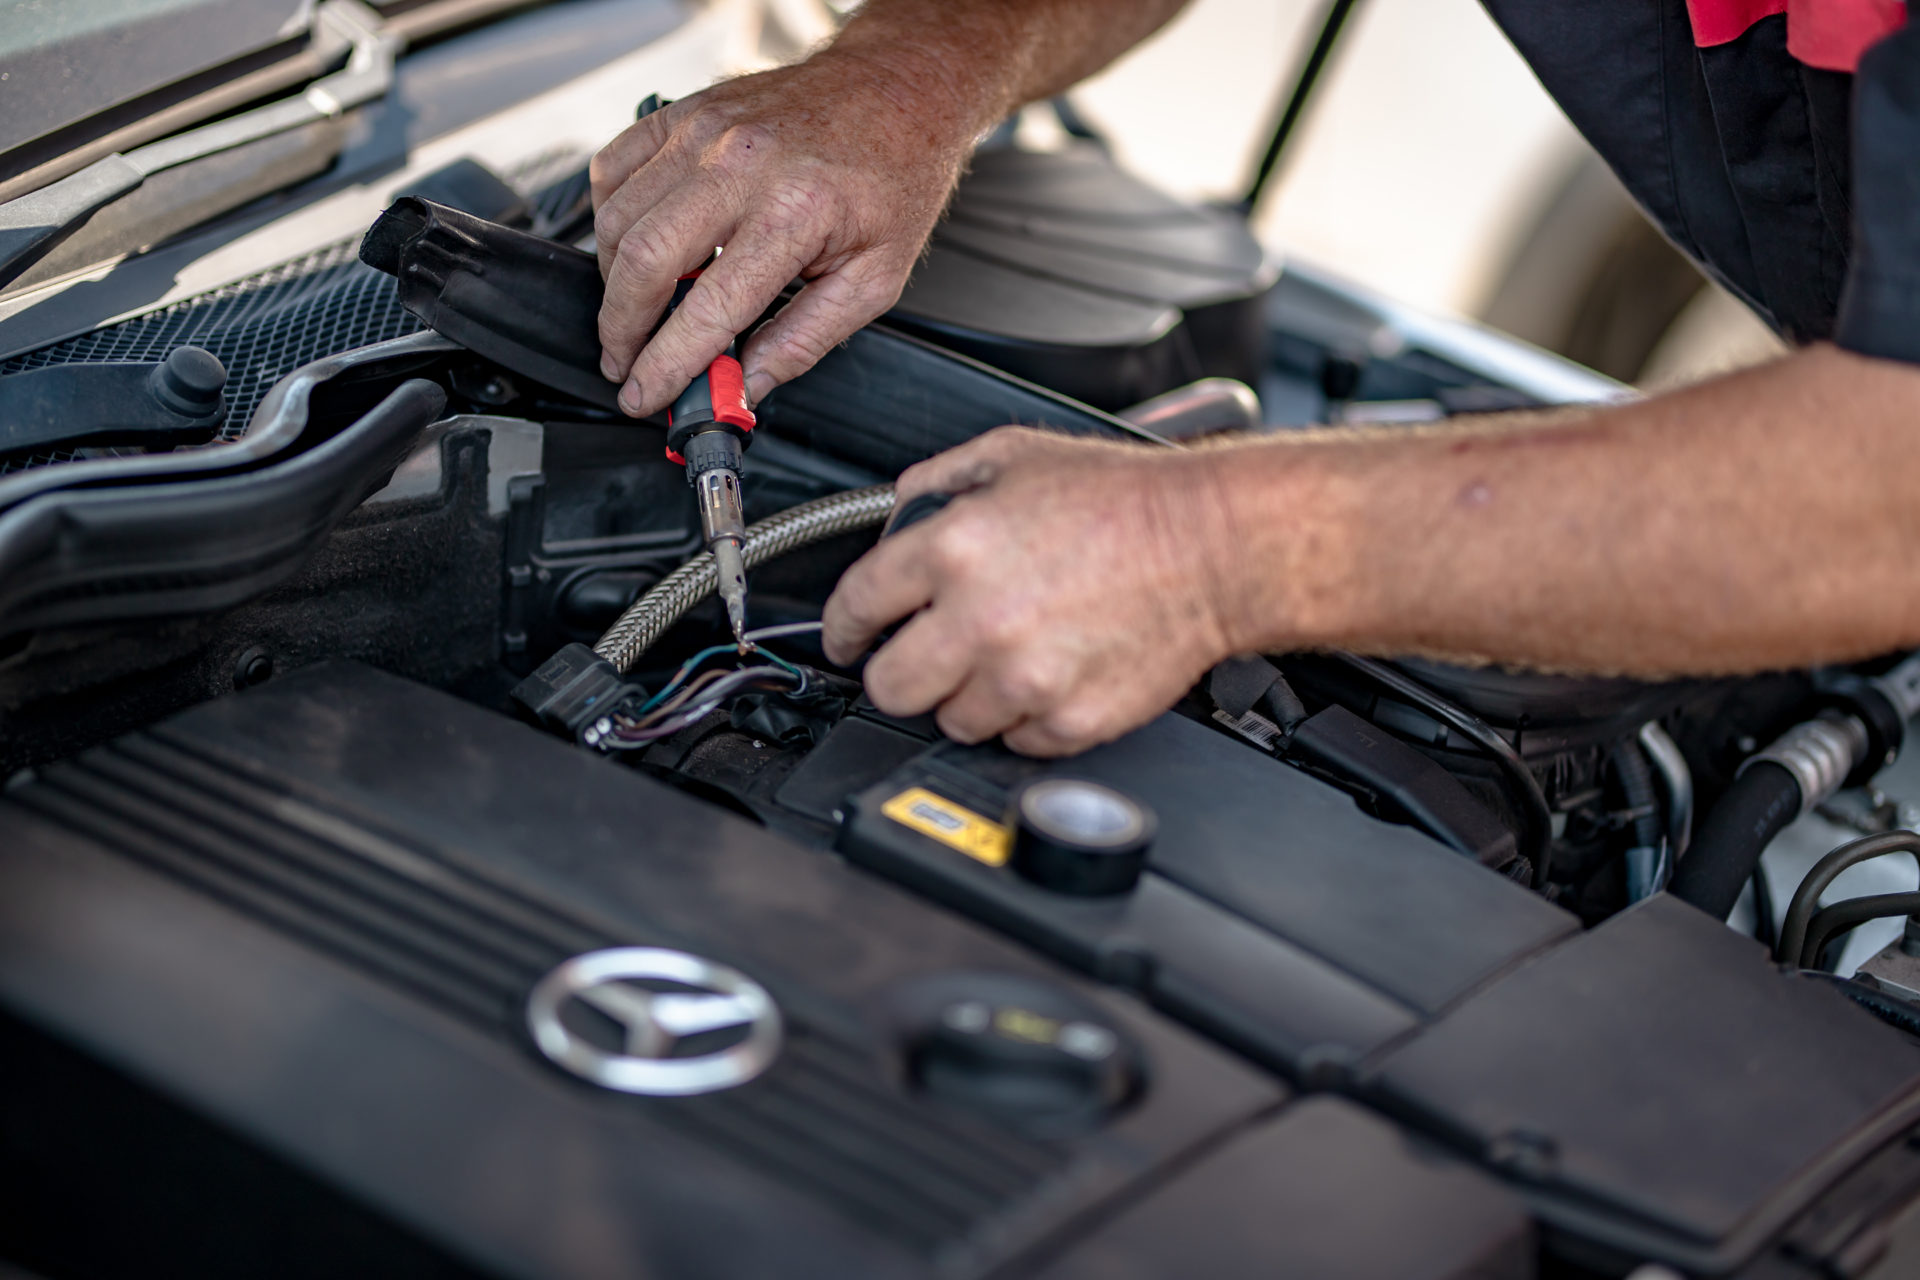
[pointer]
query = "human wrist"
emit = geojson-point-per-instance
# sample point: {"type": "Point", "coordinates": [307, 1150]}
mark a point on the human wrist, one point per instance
{"type": "Point", "coordinates": [928, 67]}
{"type": "Point", "coordinates": [1287, 545]}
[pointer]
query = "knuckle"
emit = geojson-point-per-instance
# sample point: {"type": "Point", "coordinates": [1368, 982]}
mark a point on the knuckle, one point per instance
{"type": "Point", "coordinates": [640, 253]}
{"type": "Point", "coordinates": [794, 204]}
{"type": "Point", "coordinates": [601, 174]}
{"type": "Point", "coordinates": [958, 727]}
{"type": "Point", "coordinates": [959, 547]}
{"type": "Point", "coordinates": [1029, 740]}
{"type": "Point", "coordinates": [1002, 441]}
{"type": "Point", "coordinates": [877, 280]}
{"type": "Point", "coordinates": [1075, 724]}
{"type": "Point", "coordinates": [706, 314]}
{"type": "Point", "coordinates": [1024, 682]}
{"type": "Point", "coordinates": [913, 476]}
{"type": "Point", "coordinates": [802, 346]}
{"type": "Point", "coordinates": [1002, 631]}
{"type": "Point", "coordinates": [614, 329]}
{"type": "Point", "coordinates": [739, 147]}
{"type": "Point", "coordinates": [882, 686]}
{"type": "Point", "coordinates": [705, 120]}
{"type": "Point", "coordinates": [609, 226]}
{"type": "Point", "coordinates": [875, 297]}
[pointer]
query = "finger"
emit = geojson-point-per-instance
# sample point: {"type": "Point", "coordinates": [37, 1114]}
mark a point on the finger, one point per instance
{"type": "Point", "coordinates": [703, 154]}
{"type": "Point", "coordinates": [920, 668]}
{"type": "Point", "coordinates": [672, 171]}
{"type": "Point", "coordinates": [979, 710]}
{"type": "Point", "coordinates": [1063, 732]}
{"type": "Point", "coordinates": [1036, 738]}
{"type": "Point", "coordinates": [972, 465]}
{"type": "Point", "coordinates": [663, 246]}
{"type": "Point", "coordinates": [1079, 719]}
{"type": "Point", "coordinates": [631, 148]}
{"type": "Point", "coordinates": [730, 295]}
{"type": "Point", "coordinates": [883, 586]}
{"type": "Point", "coordinates": [821, 316]}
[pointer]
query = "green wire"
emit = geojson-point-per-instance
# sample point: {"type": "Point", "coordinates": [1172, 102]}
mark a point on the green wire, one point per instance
{"type": "Point", "coordinates": [688, 667]}
{"type": "Point", "coordinates": [679, 677]}
{"type": "Point", "coordinates": [782, 663]}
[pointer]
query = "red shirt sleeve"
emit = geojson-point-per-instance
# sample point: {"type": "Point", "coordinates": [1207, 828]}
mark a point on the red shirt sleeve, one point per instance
{"type": "Point", "coordinates": [1829, 34]}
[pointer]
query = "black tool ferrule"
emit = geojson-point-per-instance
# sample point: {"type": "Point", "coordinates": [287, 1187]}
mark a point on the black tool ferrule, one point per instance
{"type": "Point", "coordinates": [713, 448]}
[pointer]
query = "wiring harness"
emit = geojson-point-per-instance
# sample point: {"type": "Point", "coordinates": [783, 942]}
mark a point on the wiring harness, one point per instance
{"type": "Point", "coordinates": [686, 699]}
{"type": "Point", "coordinates": [647, 619]}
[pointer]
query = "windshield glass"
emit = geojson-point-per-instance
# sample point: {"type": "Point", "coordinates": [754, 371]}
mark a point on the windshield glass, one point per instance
{"type": "Point", "coordinates": [63, 61]}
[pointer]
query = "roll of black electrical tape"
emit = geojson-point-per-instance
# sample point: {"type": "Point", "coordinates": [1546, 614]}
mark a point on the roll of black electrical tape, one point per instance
{"type": "Point", "coordinates": [1078, 837]}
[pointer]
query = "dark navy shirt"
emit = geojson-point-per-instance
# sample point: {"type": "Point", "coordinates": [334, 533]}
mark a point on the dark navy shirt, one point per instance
{"type": "Point", "coordinates": [1795, 186]}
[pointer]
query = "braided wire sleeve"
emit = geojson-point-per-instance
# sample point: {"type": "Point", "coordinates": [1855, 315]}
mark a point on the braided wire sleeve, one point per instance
{"type": "Point", "coordinates": [648, 618]}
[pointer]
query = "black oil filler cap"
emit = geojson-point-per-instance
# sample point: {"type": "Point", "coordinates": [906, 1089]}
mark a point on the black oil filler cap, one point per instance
{"type": "Point", "coordinates": [1022, 1050]}
{"type": "Point", "coordinates": [1079, 837]}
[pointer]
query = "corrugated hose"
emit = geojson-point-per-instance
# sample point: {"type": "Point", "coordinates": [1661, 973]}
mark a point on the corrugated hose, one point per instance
{"type": "Point", "coordinates": [648, 618]}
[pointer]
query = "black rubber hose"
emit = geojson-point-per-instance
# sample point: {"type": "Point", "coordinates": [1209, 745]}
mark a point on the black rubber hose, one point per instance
{"type": "Point", "coordinates": [1851, 914]}
{"type": "Point", "coordinates": [1727, 848]}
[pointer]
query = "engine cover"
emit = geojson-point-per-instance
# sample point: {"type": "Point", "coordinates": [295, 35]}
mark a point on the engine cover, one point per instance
{"type": "Point", "coordinates": [266, 974]}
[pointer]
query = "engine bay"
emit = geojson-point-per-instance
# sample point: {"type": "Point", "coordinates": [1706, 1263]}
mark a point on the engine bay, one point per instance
{"type": "Point", "coordinates": [345, 746]}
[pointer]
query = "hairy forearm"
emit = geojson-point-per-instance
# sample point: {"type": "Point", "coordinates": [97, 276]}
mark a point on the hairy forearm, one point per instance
{"type": "Point", "coordinates": [1766, 519]}
{"type": "Point", "coordinates": [975, 61]}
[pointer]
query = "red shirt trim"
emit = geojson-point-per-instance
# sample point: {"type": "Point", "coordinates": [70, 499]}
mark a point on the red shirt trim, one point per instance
{"type": "Point", "coordinates": [1830, 34]}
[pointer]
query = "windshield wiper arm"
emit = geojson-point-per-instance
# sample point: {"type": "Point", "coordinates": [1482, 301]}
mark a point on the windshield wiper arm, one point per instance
{"type": "Point", "coordinates": [33, 224]}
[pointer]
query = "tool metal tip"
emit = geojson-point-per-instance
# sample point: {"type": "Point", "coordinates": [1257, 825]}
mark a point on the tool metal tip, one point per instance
{"type": "Point", "coordinates": [737, 619]}
{"type": "Point", "coordinates": [733, 588]}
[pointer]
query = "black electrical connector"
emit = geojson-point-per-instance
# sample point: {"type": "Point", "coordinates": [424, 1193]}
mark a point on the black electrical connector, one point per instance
{"type": "Point", "coordinates": [574, 691]}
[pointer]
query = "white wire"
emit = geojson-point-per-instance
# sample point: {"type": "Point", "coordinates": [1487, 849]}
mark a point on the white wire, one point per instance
{"type": "Point", "coordinates": [785, 629]}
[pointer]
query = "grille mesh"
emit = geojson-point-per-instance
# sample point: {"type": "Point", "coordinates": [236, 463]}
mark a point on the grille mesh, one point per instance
{"type": "Point", "coordinates": [262, 328]}
{"type": "Point", "coordinates": [268, 324]}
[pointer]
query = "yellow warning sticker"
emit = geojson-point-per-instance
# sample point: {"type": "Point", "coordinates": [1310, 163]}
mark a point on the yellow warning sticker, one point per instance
{"type": "Point", "coordinates": [955, 826]}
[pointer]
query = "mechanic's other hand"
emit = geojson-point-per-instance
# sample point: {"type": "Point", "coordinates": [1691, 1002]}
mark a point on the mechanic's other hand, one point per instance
{"type": "Point", "coordinates": [816, 171]}
{"type": "Point", "coordinates": [1067, 597]}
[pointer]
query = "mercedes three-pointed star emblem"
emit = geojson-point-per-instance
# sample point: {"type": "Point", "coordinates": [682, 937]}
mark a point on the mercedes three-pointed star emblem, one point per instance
{"type": "Point", "coordinates": [710, 998]}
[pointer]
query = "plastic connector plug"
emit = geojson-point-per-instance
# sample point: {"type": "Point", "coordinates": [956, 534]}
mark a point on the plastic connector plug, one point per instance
{"type": "Point", "coordinates": [574, 692]}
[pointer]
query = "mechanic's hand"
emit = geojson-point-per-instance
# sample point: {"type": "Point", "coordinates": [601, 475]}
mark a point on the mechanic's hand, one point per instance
{"type": "Point", "coordinates": [810, 171]}
{"type": "Point", "coordinates": [1067, 597]}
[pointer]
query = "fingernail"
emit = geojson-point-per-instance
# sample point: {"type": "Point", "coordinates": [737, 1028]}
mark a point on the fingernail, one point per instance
{"type": "Point", "coordinates": [630, 397]}
{"type": "Point", "coordinates": [759, 383]}
{"type": "Point", "coordinates": [609, 367]}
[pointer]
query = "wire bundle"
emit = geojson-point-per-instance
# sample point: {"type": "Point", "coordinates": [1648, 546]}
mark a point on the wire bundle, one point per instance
{"type": "Point", "coordinates": [686, 699]}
